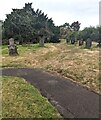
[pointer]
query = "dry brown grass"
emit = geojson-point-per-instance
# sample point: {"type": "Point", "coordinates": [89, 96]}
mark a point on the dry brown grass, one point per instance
{"type": "Point", "coordinates": [82, 65]}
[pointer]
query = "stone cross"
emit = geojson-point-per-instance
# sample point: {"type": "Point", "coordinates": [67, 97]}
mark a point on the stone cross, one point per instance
{"type": "Point", "coordinates": [12, 47]}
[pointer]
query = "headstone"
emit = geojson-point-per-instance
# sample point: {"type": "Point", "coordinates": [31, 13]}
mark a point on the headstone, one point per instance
{"type": "Point", "coordinates": [11, 41]}
{"type": "Point", "coordinates": [81, 42]}
{"type": "Point", "coordinates": [99, 43]}
{"type": "Point", "coordinates": [12, 47]}
{"type": "Point", "coordinates": [88, 43]}
{"type": "Point", "coordinates": [67, 40]}
{"type": "Point", "coordinates": [41, 41]}
{"type": "Point", "coordinates": [72, 41]}
{"type": "Point", "coordinates": [42, 35]}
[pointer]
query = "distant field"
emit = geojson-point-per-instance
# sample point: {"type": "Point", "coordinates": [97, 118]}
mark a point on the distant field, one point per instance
{"type": "Point", "coordinates": [77, 63]}
{"type": "Point", "coordinates": [22, 100]}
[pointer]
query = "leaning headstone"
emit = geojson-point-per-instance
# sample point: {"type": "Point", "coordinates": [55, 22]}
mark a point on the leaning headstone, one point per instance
{"type": "Point", "coordinates": [81, 42]}
{"type": "Point", "coordinates": [88, 43]}
{"type": "Point", "coordinates": [12, 47]}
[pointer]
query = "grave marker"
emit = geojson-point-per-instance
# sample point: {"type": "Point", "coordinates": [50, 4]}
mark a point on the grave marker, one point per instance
{"type": "Point", "coordinates": [12, 47]}
{"type": "Point", "coordinates": [88, 43]}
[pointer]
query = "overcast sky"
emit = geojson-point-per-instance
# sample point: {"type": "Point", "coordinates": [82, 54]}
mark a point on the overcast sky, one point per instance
{"type": "Point", "coordinates": [61, 11]}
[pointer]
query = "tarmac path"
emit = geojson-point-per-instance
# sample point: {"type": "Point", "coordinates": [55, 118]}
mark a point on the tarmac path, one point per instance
{"type": "Point", "coordinates": [71, 99]}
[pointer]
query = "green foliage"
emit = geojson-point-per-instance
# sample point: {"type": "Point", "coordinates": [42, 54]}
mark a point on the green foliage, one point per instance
{"type": "Point", "coordinates": [25, 25]}
{"type": "Point", "coordinates": [70, 32]}
{"type": "Point", "coordinates": [90, 32]}
{"type": "Point", "coordinates": [75, 26]}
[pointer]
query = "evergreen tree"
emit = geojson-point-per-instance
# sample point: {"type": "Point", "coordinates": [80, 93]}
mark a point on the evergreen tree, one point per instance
{"type": "Point", "coordinates": [25, 25]}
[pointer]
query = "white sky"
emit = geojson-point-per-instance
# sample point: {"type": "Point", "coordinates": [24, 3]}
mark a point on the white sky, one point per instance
{"type": "Point", "coordinates": [61, 11]}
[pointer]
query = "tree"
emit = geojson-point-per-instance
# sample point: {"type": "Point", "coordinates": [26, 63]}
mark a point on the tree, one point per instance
{"type": "Point", "coordinates": [67, 31]}
{"type": "Point", "coordinates": [90, 32]}
{"type": "Point", "coordinates": [25, 25]}
{"type": "Point", "coordinates": [75, 26]}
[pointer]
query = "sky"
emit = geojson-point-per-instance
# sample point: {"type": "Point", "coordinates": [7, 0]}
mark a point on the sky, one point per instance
{"type": "Point", "coordinates": [61, 11]}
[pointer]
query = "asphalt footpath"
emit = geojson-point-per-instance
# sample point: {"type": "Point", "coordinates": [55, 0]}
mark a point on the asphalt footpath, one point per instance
{"type": "Point", "coordinates": [70, 99]}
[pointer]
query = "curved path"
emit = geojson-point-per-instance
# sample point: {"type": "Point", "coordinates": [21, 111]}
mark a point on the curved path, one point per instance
{"type": "Point", "coordinates": [71, 100]}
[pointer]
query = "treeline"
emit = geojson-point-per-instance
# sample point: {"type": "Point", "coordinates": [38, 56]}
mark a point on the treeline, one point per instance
{"type": "Point", "coordinates": [90, 32]}
{"type": "Point", "coordinates": [73, 34]}
{"type": "Point", "coordinates": [27, 25]}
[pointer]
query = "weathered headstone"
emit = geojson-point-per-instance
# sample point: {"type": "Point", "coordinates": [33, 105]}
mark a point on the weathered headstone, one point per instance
{"type": "Point", "coordinates": [72, 37]}
{"type": "Point", "coordinates": [72, 41]}
{"type": "Point", "coordinates": [42, 35]}
{"type": "Point", "coordinates": [88, 43]}
{"type": "Point", "coordinates": [67, 40]}
{"type": "Point", "coordinates": [81, 42]}
{"type": "Point", "coordinates": [12, 47]}
{"type": "Point", "coordinates": [41, 41]}
{"type": "Point", "coordinates": [99, 43]}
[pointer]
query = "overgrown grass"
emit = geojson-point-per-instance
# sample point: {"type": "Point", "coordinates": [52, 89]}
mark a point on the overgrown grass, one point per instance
{"type": "Point", "coordinates": [21, 48]}
{"type": "Point", "coordinates": [78, 63]}
{"type": "Point", "coordinates": [22, 100]}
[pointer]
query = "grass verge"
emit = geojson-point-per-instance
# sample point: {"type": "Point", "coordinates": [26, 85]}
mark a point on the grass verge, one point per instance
{"type": "Point", "coordinates": [22, 100]}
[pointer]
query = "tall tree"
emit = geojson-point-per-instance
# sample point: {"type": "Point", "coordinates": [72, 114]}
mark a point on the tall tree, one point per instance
{"type": "Point", "coordinates": [75, 26]}
{"type": "Point", "coordinates": [25, 25]}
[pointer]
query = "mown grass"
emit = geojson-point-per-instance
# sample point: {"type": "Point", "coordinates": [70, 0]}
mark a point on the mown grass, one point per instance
{"type": "Point", "coordinates": [78, 63]}
{"type": "Point", "coordinates": [22, 100]}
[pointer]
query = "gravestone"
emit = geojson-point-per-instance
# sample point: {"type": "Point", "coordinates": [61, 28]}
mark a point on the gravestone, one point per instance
{"type": "Point", "coordinates": [81, 42]}
{"type": "Point", "coordinates": [12, 47]}
{"type": "Point", "coordinates": [88, 43]}
{"type": "Point", "coordinates": [67, 40]}
{"type": "Point", "coordinates": [72, 41]}
{"type": "Point", "coordinates": [41, 41]}
{"type": "Point", "coordinates": [42, 35]}
{"type": "Point", "coordinates": [72, 37]}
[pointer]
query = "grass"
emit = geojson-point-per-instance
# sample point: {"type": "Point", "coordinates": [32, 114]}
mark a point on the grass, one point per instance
{"type": "Point", "coordinates": [78, 63]}
{"type": "Point", "coordinates": [22, 100]}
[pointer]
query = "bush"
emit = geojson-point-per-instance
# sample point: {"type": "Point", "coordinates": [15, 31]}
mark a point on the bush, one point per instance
{"type": "Point", "coordinates": [54, 39]}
